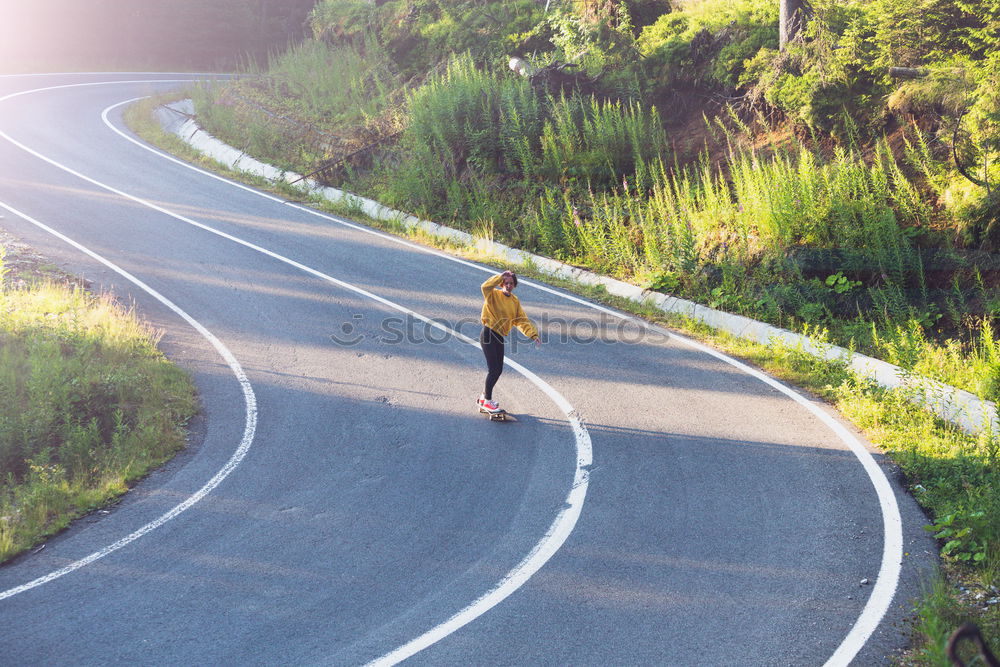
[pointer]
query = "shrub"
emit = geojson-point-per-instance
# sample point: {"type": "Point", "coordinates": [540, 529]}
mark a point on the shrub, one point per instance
{"type": "Point", "coordinates": [708, 42]}
{"type": "Point", "coordinates": [416, 36]}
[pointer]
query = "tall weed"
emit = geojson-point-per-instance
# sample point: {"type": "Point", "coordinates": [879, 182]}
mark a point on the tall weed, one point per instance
{"type": "Point", "coordinates": [470, 125]}
{"type": "Point", "coordinates": [294, 114]}
{"type": "Point", "coordinates": [601, 142]}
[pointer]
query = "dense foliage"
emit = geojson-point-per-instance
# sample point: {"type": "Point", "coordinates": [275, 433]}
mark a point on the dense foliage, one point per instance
{"type": "Point", "coordinates": [838, 80]}
{"type": "Point", "coordinates": [418, 34]}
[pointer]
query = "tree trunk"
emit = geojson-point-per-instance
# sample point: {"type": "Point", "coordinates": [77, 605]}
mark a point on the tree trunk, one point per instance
{"type": "Point", "coordinates": [793, 17]}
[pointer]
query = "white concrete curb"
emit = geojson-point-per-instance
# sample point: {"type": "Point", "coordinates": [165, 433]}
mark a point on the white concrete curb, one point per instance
{"type": "Point", "coordinates": [962, 408]}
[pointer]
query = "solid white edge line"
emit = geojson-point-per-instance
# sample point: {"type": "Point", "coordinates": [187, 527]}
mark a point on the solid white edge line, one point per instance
{"type": "Point", "coordinates": [564, 522]}
{"type": "Point", "coordinates": [887, 579]}
{"type": "Point", "coordinates": [236, 458]}
{"type": "Point", "coordinates": [543, 551]}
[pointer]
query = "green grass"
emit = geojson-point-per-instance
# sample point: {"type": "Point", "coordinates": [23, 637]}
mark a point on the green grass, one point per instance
{"type": "Point", "coordinates": [338, 85]}
{"type": "Point", "coordinates": [295, 113]}
{"type": "Point", "coordinates": [90, 406]}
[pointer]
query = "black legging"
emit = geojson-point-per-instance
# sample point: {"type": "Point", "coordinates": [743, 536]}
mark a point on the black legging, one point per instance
{"type": "Point", "coordinates": [492, 343]}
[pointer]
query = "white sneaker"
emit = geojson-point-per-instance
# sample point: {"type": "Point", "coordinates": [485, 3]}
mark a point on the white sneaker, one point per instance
{"type": "Point", "coordinates": [488, 405]}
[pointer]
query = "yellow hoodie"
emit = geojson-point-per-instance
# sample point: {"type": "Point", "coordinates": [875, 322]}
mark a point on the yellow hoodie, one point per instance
{"type": "Point", "coordinates": [501, 312]}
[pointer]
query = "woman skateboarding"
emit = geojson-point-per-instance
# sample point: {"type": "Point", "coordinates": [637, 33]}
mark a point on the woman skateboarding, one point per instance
{"type": "Point", "coordinates": [501, 311]}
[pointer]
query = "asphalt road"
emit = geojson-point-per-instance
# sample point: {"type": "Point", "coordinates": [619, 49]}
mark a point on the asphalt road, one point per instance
{"type": "Point", "coordinates": [341, 500]}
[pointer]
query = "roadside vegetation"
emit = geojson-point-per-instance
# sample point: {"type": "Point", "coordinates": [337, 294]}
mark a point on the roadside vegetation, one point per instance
{"type": "Point", "coordinates": [846, 185]}
{"type": "Point", "coordinates": [90, 403]}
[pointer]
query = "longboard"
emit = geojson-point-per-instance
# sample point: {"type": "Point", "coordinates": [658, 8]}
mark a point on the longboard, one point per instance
{"type": "Point", "coordinates": [501, 416]}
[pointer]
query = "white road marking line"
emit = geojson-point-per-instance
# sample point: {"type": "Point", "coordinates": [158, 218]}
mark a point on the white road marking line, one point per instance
{"type": "Point", "coordinates": [237, 457]}
{"type": "Point", "coordinates": [560, 528]}
{"type": "Point", "coordinates": [887, 580]}
{"type": "Point", "coordinates": [19, 93]}
{"type": "Point", "coordinates": [26, 75]}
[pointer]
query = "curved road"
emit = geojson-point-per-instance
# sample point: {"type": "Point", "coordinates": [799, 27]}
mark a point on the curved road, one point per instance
{"type": "Point", "coordinates": [342, 503]}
